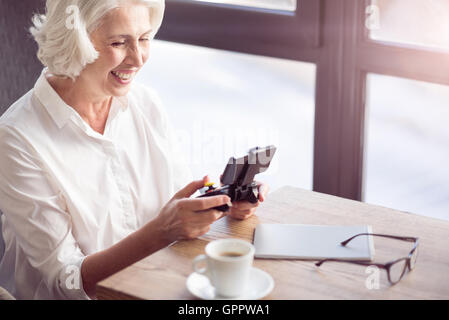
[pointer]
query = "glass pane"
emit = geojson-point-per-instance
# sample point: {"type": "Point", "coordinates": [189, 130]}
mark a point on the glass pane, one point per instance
{"type": "Point", "coordinates": [288, 5]}
{"type": "Point", "coordinates": [397, 270]}
{"type": "Point", "coordinates": [224, 103]}
{"type": "Point", "coordinates": [416, 22]}
{"type": "Point", "coordinates": [407, 139]}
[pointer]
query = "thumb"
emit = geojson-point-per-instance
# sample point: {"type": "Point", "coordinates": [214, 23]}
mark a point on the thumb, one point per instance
{"type": "Point", "coordinates": [191, 188]}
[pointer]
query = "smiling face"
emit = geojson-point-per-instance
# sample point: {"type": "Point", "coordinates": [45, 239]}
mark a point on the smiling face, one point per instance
{"type": "Point", "coordinates": [122, 41]}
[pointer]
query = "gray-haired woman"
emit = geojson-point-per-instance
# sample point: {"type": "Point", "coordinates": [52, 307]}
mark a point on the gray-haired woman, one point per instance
{"type": "Point", "coordinates": [90, 178]}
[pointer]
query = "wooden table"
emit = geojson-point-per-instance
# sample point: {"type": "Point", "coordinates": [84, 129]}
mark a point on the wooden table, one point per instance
{"type": "Point", "coordinates": [163, 275]}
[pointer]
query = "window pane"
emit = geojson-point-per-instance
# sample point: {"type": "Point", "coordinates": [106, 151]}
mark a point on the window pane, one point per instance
{"type": "Point", "coordinates": [407, 139]}
{"type": "Point", "coordinates": [417, 22]}
{"type": "Point", "coordinates": [289, 5]}
{"type": "Point", "coordinates": [224, 103]}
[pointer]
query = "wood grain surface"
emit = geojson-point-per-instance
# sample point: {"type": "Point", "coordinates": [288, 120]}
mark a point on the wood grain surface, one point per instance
{"type": "Point", "coordinates": [163, 275]}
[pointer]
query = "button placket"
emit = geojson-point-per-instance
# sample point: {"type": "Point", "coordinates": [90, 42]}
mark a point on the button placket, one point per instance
{"type": "Point", "coordinates": [119, 174]}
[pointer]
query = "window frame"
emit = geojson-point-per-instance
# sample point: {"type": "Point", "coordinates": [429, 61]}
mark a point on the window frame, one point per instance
{"type": "Point", "coordinates": [331, 34]}
{"type": "Point", "coordinates": [295, 34]}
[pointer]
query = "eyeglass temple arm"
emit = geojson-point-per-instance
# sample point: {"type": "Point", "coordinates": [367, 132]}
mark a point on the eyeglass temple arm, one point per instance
{"type": "Point", "coordinates": [411, 239]}
{"type": "Point", "coordinates": [363, 263]}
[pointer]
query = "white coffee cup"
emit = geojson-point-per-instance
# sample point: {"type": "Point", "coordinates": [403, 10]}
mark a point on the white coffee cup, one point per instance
{"type": "Point", "coordinates": [228, 264]}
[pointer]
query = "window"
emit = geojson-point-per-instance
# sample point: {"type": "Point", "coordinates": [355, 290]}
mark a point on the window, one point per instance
{"type": "Point", "coordinates": [287, 5]}
{"type": "Point", "coordinates": [407, 145]}
{"type": "Point", "coordinates": [407, 94]}
{"type": "Point", "coordinates": [224, 103]}
{"type": "Point", "coordinates": [414, 22]}
{"type": "Point", "coordinates": [346, 40]}
{"type": "Point", "coordinates": [284, 34]}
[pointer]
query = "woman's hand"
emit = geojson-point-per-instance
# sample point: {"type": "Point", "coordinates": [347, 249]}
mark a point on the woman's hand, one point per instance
{"type": "Point", "coordinates": [180, 218]}
{"type": "Point", "coordinates": [242, 210]}
{"type": "Point", "coordinates": [185, 218]}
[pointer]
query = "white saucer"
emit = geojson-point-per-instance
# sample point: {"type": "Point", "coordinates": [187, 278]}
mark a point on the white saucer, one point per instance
{"type": "Point", "coordinates": [260, 284]}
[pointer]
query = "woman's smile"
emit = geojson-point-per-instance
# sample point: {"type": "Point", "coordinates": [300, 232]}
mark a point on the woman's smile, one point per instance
{"type": "Point", "coordinates": [123, 77]}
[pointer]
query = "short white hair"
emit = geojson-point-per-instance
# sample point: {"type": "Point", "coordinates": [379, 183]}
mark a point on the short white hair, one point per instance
{"type": "Point", "coordinates": [62, 33]}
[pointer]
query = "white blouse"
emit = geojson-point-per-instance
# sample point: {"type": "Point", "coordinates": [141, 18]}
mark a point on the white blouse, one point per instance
{"type": "Point", "coordinates": [67, 191]}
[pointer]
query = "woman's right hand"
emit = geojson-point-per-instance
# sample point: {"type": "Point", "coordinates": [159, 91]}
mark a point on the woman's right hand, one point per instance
{"type": "Point", "coordinates": [181, 218]}
{"type": "Point", "coordinates": [188, 218]}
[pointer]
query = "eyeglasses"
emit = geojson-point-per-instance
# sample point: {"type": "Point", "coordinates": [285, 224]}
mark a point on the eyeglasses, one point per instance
{"type": "Point", "coordinates": [395, 269]}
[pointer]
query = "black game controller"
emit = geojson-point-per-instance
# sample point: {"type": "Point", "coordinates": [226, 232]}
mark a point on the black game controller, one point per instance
{"type": "Point", "coordinates": [238, 177]}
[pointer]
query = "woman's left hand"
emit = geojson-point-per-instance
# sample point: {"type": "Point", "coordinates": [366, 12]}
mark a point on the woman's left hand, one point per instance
{"type": "Point", "coordinates": [242, 210]}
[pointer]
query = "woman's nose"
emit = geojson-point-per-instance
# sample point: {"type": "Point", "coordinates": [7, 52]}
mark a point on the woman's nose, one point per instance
{"type": "Point", "coordinates": [135, 56]}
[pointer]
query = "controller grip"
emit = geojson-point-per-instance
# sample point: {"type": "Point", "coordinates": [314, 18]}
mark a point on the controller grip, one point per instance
{"type": "Point", "coordinates": [253, 195]}
{"type": "Point", "coordinates": [222, 208]}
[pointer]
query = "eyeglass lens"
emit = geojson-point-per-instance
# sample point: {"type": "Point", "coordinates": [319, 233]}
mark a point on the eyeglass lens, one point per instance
{"type": "Point", "coordinates": [413, 258]}
{"type": "Point", "coordinates": [397, 270]}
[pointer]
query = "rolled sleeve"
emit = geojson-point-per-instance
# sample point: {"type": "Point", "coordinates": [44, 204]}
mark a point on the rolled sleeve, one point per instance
{"type": "Point", "coordinates": [36, 212]}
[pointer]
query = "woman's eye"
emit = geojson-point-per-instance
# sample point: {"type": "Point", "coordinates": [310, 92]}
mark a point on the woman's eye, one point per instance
{"type": "Point", "coordinates": [118, 44]}
{"type": "Point", "coordinates": [145, 39]}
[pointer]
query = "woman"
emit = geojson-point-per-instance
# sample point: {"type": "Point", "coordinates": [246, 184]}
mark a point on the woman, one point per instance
{"type": "Point", "coordinates": [90, 179]}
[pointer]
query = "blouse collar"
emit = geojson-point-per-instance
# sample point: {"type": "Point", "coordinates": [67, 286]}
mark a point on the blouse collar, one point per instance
{"type": "Point", "coordinates": [57, 108]}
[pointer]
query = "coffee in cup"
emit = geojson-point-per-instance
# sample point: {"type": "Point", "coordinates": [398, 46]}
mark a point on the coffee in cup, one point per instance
{"type": "Point", "coordinates": [228, 263]}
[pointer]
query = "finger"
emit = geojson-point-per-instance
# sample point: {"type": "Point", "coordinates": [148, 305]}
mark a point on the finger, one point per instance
{"type": "Point", "coordinates": [203, 231]}
{"type": "Point", "coordinates": [222, 214]}
{"type": "Point", "coordinates": [242, 215]}
{"type": "Point", "coordinates": [197, 221]}
{"type": "Point", "coordinates": [242, 211]}
{"type": "Point", "coordinates": [263, 191]}
{"type": "Point", "coordinates": [191, 188]}
{"type": "Point", "coordinates": [205, 203]}
{"type": "Point", "coordinates": [244, 205]}
{"type": "Point", "coordinates": [193, 234]}
{"type": "Point", "coordinates": [209, 216]}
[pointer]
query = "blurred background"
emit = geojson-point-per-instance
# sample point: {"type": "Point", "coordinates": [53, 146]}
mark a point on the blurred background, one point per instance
{"type": "Point", "coordinates": [227, 102]}
{"type": "Point", "coordinates": [354, 93]}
